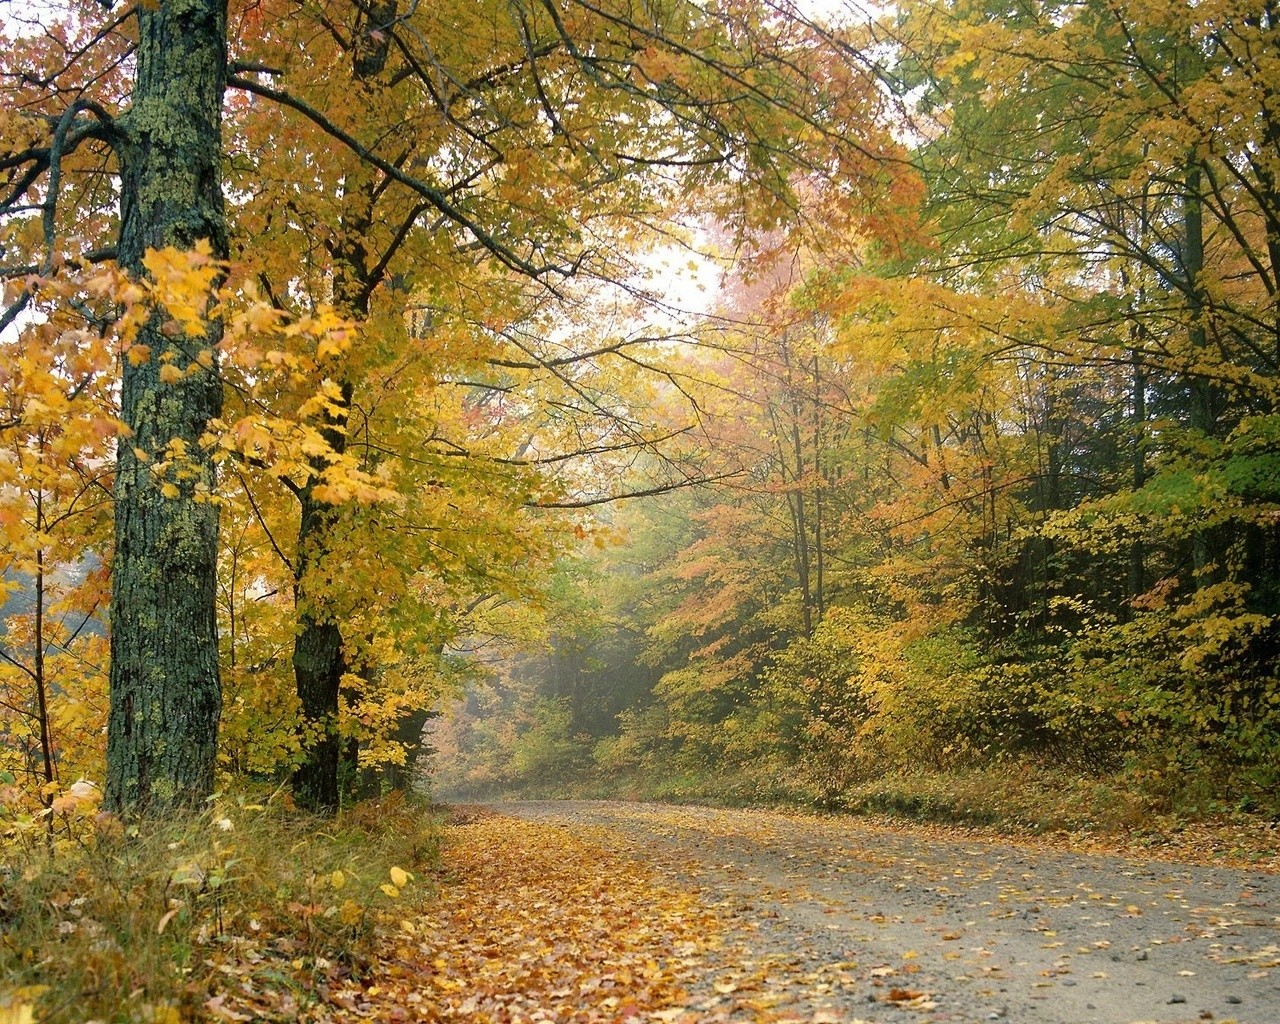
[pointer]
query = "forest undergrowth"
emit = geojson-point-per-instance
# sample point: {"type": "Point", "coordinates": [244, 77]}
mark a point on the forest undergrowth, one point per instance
{"type": "Point", "coordinates": [247, 911]}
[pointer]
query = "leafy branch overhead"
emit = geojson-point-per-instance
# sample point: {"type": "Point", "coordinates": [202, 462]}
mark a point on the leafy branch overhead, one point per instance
{"type": "Point", "coordinates": [449, 184]}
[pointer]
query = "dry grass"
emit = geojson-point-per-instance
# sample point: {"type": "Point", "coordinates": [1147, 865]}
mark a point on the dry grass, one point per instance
{"type": "Point", "coordinates": [247, 904]}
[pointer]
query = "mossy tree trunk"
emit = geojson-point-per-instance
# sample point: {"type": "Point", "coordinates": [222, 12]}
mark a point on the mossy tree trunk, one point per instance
{"type": "Point", "coordinates": [165, 688]}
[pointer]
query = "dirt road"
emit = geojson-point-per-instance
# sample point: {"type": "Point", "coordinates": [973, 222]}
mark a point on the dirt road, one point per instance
{"type": "Point", "coordinates": [836, 920]}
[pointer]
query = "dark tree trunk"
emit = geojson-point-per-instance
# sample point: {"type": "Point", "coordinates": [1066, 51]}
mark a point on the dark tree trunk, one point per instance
{"type": "Point", "coordinates": [165, 689]}
{"type": "Point", "coordinates": [319, 651]}
{"type": "Point", "coordinates": [319, 658]}
{"type": "Point", "coordinates": [1137, 550]}
{"type": "Point", "coordinates": [318, 662]}
{"type": "Point", "coordinates": [1208, 543]}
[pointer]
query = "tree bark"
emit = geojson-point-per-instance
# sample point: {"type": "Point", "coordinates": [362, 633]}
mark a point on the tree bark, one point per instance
{"type": "Point", "coordinates": [319, 650]}
{"type": "Point", "coordinates": [1137, 549]}
{"type": "Point", "coordinates": [319, 655]}
{"type": "Point", "coordinates": [318, 663]}
{"type": "Point", "coordinates": [165, 689]}
{"type": "Point", "coordinates": [1208, 543]}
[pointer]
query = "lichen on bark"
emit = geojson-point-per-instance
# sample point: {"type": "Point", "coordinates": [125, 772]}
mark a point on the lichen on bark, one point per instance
{"type": "Point", "coordinates": [165, 687]}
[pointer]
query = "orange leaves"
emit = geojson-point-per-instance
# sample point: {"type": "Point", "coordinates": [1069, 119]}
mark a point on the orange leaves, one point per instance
{"type": "Point", "coordinates": [909, 997]}
{"type": "Point", "coordinates": [538, 922]}
{"type": "Point", "coordinates": [57, 428]}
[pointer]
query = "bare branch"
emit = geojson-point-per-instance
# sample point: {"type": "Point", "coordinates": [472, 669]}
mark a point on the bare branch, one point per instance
{"type": "Point", "coordinates": [647, 492]}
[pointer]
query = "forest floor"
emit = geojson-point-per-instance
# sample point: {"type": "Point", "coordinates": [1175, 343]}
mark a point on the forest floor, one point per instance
{"type": "Point", "coordinates": [605, 911]}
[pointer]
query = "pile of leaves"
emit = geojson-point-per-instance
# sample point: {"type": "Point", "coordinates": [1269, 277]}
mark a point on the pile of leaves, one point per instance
{"type": "Point", "coordinates": [533, 922]}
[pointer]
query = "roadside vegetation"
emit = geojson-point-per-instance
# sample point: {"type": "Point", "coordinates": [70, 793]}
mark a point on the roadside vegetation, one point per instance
{"type": "Point", "coordinates": [245, 911]}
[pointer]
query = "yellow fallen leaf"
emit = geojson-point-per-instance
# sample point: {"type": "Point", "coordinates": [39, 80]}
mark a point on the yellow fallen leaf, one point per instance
{"type": "Point", "coordinates": [337, 880]}
{"type": "Point", "coordinates": [399, 877]}
{"type": "Point", "coordinates": [17, 1013]}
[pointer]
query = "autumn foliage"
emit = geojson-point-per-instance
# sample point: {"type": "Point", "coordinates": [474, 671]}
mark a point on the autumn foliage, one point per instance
{"type": "Point", "coordinates": [999, 504]}
{"type": "Point", "coordinates": [351, 374]}
{"type": "Point", "coordinates": [669, 398]}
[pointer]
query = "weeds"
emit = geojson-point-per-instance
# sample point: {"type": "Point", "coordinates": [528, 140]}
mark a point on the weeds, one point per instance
{"type": "Point", "coordinates": [245, 909]}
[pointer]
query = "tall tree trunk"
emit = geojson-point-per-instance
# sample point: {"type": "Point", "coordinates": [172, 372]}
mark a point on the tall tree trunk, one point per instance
{"type": "Point", "coordinates": [796, 503]}
{"type": "Point", "coordinates": [1262, 558]}
{"type": "Point", "coordinates": [165, 690]}
{"type": "Point", "coordinates": [38, 668]}
{"type": "Point", "coordinates": [318, 660]}
{"type": "Point", "coordinates": [1137, 550]}
{"type": "Point", "coordinates": [819, 486]}
{"type": "Point", "coordinates": [319, 652]}
{"type": "Point", "coordinates": [1207, 543]}
{"type": "Point", "coordinates": [319, 655]}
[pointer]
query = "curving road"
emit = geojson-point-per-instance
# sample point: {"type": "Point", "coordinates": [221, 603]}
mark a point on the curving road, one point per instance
{"type": "Point", "coordinates": [839, 920]}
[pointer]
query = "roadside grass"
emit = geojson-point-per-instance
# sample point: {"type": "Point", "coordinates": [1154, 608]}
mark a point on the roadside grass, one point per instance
{"type": "Point", "coordinates": [1053, 807]}
{"type": "Point", "coordinates": [1023, 796]}
{"type": "Point", "coordinates": [241, 912]}
{"type": "Point", "coordinates": [1022, 799]}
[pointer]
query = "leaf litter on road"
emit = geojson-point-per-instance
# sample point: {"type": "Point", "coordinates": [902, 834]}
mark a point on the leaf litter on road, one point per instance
{"type": "Point", "coordinates": [634, 914]}
{"type": "Point", "coordinates": [533, 923]}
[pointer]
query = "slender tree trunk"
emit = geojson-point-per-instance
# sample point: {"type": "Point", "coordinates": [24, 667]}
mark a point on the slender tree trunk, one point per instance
{"type": "Point", "coordinates": [165, 690]}
{"type": "Point", "coordinates": [1054, 426]}
{"type": "Point", "coordinates": [820, 482]}
{"type": "Point", "coordinates": [1207, 543]}
{"type": "Point", "coordinates": [42, 690]}
{"type": "Point", "coordinates": [795, 495]}
{"type": "Point", "coordinates": [319, 655]}
{"type": "Point", "coordinates": [800, 515]}
{"type": "Point", "coordinates": [1262, 560]}
{"type": "Point", "coordinates": [1137, 550]}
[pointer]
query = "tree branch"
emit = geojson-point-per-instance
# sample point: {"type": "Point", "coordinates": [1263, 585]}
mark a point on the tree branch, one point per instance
{"type": "Point", "coordinates": [501, 251]}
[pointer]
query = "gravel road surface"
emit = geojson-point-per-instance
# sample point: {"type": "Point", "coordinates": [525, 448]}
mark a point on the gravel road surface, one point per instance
{"type": "Point", "coordinates": [833, 919]}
